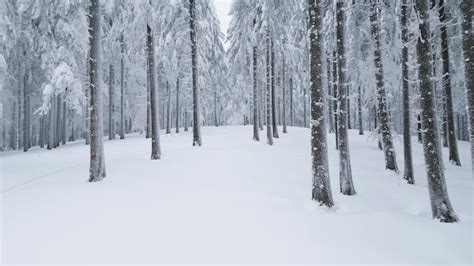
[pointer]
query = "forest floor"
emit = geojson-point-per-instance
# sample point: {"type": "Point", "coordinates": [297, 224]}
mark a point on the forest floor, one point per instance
{"type": "Point", "coordinates": [230, 201]}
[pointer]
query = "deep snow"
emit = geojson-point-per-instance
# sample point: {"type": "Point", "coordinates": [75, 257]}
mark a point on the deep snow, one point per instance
{"type": "Point", "coordinates": [230, 201]}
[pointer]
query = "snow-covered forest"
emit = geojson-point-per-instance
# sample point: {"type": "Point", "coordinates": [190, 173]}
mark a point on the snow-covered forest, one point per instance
{"type": "Point", "coordinates": [304, 131]}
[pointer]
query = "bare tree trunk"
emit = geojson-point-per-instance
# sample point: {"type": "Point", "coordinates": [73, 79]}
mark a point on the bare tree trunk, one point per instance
{"type": "Point", "coordinates": [58, 121]}
{"type": "Point", "coordinates": [345, 171]}
{"type": "Point", "coordinates": [274, 117]}
{"type": "Point", "coordinates": [177, 104]}
{"type": "Point", "coordinates": [468, 46]}
{"type": "Point", "coordinates": [148, 106]}
{"type": "Point", "coordinates": [122, 88]}
{"type": "Point", "coordinates": [196, 119]}
{"type": "Point", "coordinates": [389, 149]}
{"type": "Point", "coordinates": [256, 136]}
{"type": "Point", "coordinates": [97, 162]}
{"type": "Point", "coordinates": [285, 130]}
{"type": "Point", "coordinates": [335, 101]}
{"type": "Point", "coordinates": [41, 135]}
{"type": "Point", "coordinates": [359, 110]}
{"type": "Point", "coordinates": [321, 191]}
{"type": "Point", "coordinates": [440, 203]}
{"type": "Point", "coordinates": [292, 115]}
{"type": "Point", "coordinates": [168, 109]}
{"type": "Point", "coordinates": [329, 93]}
{"type": "Point", "coordinates": [452, 143]}
{"type": "Point", "coordinates": [26, 118]}
{"type": "Point", "coordinates": [155, 131]}
{"type": "Point", "coordinates": [63, 124]}
{"type": "Point", "coordinates": [268, 94]}
{"type": "Point", "coordinates": [408, 172]}
{"type": "Point", "coordinates": [111, 102]}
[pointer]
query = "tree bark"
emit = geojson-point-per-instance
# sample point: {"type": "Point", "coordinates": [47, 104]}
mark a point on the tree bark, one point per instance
{"type": "Point", "coordinates": [321, 190]}
{"type": "Point", "coordinates": [268, 94]}
{"type": "Point", "coordinates": [274, 117]}
{"type": "Point", "coordinates": [452, 143]}
{"type": "Point", "coordinates": [111, 102]}
{"type": "Point", "coordinates": [345, 171]}
{"type": "Point", "coordinates": [177, 104]}
{"type": "Point", "coordinates": [196, 119]}
{"type": "Point", "coordinates": [407, 153]}
{"type": "Point", "coordinates": [285, 130]}
{"type": "Point", "coordinates": [122, 88]}
{"type": "Point", "coordinates": [468, 48]}
{"type": "Point", "coordinates": [359, 110]}
{"type": "Point", "coordinates": [334, 85]}
{"type": "Point", "coordinates": [389, 149]}
{"type": "Point", "coordinates": [155, 131]}
{"type": "Point", "coordinates": [440, 203]}
{"type": "Point", "coordinates": [256, 136]}
{"type": "Point", "coordinates": [168, 109]}
{"type": "Point", "coordinates": [97, 162]}
{"type": "Point", "coordinates": [26, 118]}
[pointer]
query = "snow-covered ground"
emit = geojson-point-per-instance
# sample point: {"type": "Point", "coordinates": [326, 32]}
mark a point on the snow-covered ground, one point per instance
{"type": "Point", "coordinates": [230, 201]}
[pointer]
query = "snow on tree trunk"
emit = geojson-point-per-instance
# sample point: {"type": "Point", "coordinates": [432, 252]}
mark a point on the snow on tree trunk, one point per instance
{"type": "Point", "coordinates": [256, 136]}
{"type": "Point", "coordinates": [345, 171]}
{"type": "Point", "coordinates": [63, 123]}
{"type": "Point", "coordinates": [155, 131]}
{"type": "Point", "coordinates": [268, 94]}
{"type": "Point", "coordinates": [389, 149]}
{"type": "Point", "coordinates": [468, 47]}
{"type": "Point", "coordinates": [97, 162]}
{"type": "Point", "coordinates": [273, 88]}
{"type": "Point", "coordinates": [329, 93]}
{"type": "Point", "coordinates": [111, 101]}
{"type": "Point", "coordinates": [122, 87]}
{"type": "Point", "coordinates": [408, 172]}
{"type": "Point", "coordinates": [196, 115]}
{"type": "Point", "coordinates": [26, 118]}
{"type": "Point", "coordinates": [168, 109]}
{"type": "Point", "coordinates": [452, 143]}
{"type": "Point", "coordinates": [292, 115]}
{"type": "Point", "coordinates": [440, 204]}
{"type": "Point", "coordinates": [148, 106]}
{"type": "Point", "coordinates": [321, 191]}
{"type": "Point", "coordinates": [334, 90]}
{"type": "Point", "coordinates": [177, 104]}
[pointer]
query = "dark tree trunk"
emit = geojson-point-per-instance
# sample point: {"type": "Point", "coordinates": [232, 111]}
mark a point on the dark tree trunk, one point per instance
{"type": "Point", "coordinates": [26, 117]}
{"type": "Point", "coordinates": [389, 149]}
{"type": "Point", "coordinates": [274, 117]}
{"type": "Point", "coordinates": [58, 121]}
{"type": "Point", "coordinates": [283, 87]}
{"type": "Point", "coordinates": [452, 143]}
{"type": "Point", "coordinates": [97, 162]}
{"type": "Point", "coordinates": [359, 110]}
{"type": "Point", "coordinates": [148, 106]}
{"type": "Point", "coordinates": [168, 109]}
{"type": "Point", "coordinates": [321, 190]}
{"type": "Point", "coordinates": [419, 131]}
{"type": "Point", "coordinates": [345, 171]}
{"type": "Point", "coordinates": [292, 115]}
{"type": "Point", "coordinates": [155, 131]}
{"type": "Point", "coordinates": [329, 93]}
{"type": "Point", "coordinates": [440, 203]}
{"type": "Point", "coordinates": [122, 88]}
{"type": "Point", "coordinates": [196, 119]}
{"type": "Point", "coordinates": [256, 136]}
{"type": "Point", "coordinates": [111, 102]}
{"type": "Point", "coordinates": [177, 104]}
{"type": "Point", "coordinates": [468, 46]}
{"type": "Point", "coordinates": [334, 85]}
{"type": "Point", "coordinates": [268, 94]}
{"type": "Point", "coordinates": [407, 154]}
{"type": "Point", "coordinates": [63, 123]}
{"type": "Point", "coordinates": [41, 131]}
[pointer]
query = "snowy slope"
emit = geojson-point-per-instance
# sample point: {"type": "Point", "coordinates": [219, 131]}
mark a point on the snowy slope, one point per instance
{"type": "Point", "coordinates": [232, 200]}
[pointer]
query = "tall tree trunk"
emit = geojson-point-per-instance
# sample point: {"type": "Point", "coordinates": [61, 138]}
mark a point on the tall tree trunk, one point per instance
{"type": "Point", "coordinates": [13, 127]}
{"type": "Point", "coordinates": [63, 123]}
{"type": "Point", "coordinates": [88, 104]}
{"type": "Point", "coordinates": [196, 119]}
{"type": "Point", "coordinates": [41, 132]}
{"type": "Point", "coordinates": [452, 143]}
{"type": "Point", "coordinates": [468, 47]}
{"type": "Point", "coordinates": [389, 149]}
{"type": "Point", "coordinates": [345, 171]}
{"type": "Point", "coordinates": [268, 93]}
{"type": "Point", "coordinates": [359, 110]}
{"type": "Point", "coordinates": [155, 131]}
{"type": "Point", "coordinates": [335, 101]}
{"type": "Point", "coordinates": [321, 191]}
{"type": "Point", "coordinates": [285, 130]}
{"type": "Point", "coordinates": [407, 154]}
{"type": "Point", "coordinates": [97, 162]}
{"type": "Point", "coordinates": [292, 115]}
{"type": "Point", "coordinates": [329, 93]}
{"type": "Point", "coordinates": [177, 103]}
{"type": "Point", "coordinates": [58, 121]}
{"type": "Point", "coordinates": [256, 136]}
{"type": "Point", "coordinates": [148, 106]}
{"type": "Point", "coordinates": [111, 102]}
{"type": "Point", "coordinates": [122, 87]}
{"type": "Point", "coordinates": [168, 109]}
{"type": "Point", "coordinates": [51, 131]}
{"type": "Point", "coordinates": [216, 120]}
{"type": "Point", "coordinates": [274, 117]}
{"type": "Point", "coordinates": [440, 203]}
{"type": "Point", "coordinates": [26, 118]}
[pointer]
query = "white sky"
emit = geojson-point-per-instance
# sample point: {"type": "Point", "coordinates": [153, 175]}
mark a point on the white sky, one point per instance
{"type": "Point", "coordinates": [222, 9]}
